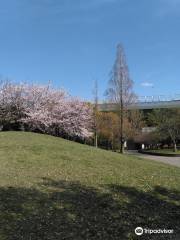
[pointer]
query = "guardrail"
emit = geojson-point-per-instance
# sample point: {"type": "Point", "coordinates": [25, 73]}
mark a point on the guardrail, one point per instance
{"type": "Point", "coordinates": [158, 98]}
{"type": "Point", "coordinates": [142, 105]}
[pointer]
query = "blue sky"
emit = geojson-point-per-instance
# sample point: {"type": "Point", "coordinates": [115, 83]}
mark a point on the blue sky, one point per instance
{"type": "Point", "coordinates": [73, 42]}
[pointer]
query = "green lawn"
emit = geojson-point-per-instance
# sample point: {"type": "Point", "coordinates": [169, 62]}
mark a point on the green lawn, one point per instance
{"type": "Point", "coordinates": [166, 151]}
{"type": "Point", "coordinates": [52, 188]}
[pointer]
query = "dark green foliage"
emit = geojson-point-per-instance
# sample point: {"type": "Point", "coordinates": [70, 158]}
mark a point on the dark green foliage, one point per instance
{"type": "Point", "coordinates": [167, 122]}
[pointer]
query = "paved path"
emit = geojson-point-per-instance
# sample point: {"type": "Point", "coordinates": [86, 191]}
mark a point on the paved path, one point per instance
{"type": "Point", "coordinates": [168, 160]}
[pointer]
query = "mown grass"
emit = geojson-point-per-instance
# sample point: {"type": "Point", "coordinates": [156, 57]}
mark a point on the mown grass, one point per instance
{"type": "Point", "coordinates": [166, 151]}
{"type": "Point", "coordinates": [51, 188]}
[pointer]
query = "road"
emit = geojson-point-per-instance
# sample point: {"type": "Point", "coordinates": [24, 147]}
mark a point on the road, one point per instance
{"type": "Point", "coordinates": [175, 161]}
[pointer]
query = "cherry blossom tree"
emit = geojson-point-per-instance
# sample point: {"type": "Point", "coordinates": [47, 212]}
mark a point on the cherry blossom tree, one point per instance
{"type": "Point", "coordinates": [44, 109]}
{"type": "Point", "coordinates": [12, 100]}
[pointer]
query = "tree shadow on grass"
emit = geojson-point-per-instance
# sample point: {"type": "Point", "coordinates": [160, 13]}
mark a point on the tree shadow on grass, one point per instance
{"type": "Point", "coordinates": [69, 210]}
{"type": "Point", "coordinates": [156, 209]}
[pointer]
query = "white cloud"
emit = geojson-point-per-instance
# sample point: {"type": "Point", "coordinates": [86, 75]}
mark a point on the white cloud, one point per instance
{"type": "Point", "coordinates": [147, 84]}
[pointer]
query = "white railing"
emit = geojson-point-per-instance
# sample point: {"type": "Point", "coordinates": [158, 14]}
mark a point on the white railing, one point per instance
{"type": "Point", "coordinates": [158, 98]}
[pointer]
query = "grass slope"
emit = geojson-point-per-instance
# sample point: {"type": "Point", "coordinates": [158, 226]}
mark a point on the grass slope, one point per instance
{"type": "Point", "coordinates": [51, 188]}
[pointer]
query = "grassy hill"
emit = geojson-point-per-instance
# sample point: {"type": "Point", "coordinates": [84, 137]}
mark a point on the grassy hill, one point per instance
{"type": "Point", "coordinates": [51, 188]}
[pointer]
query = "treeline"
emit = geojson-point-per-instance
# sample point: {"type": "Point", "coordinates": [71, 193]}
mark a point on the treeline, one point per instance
{"type": "Point", "coordinates": [46, 110]}
{"type": "Point", "coordinates": [43, 109]}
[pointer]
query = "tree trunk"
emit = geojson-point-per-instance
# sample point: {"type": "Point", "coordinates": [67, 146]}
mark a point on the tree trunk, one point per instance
{"type": "Point", "coordinates": [112, 141]}
{"type": "Point", "coordinates": [175, 147]}
{"type": "Point", "coordinates": [122, 130]}
{"type": "Point", "coordinates": [122, 147]}
{"type": "Point", "coordinates": [96, 140]}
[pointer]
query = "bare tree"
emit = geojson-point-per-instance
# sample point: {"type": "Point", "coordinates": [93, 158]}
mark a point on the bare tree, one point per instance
{"type": "Point", "coordinates": [95, 113]}
{"type": "Point", "coordinates": [120, 90]}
